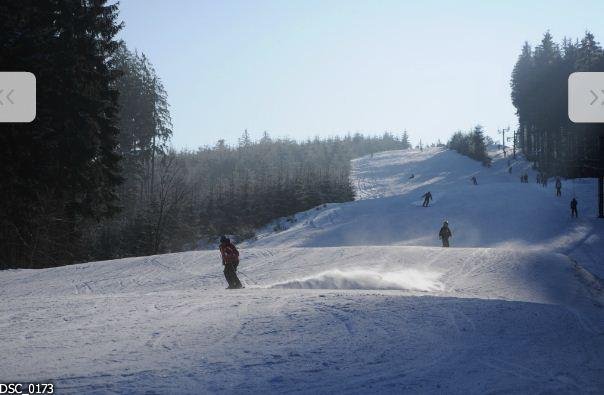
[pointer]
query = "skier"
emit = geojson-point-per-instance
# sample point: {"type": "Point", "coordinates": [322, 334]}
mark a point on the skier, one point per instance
{"type": "Point", "coordinates": [558, 187]}
{"type": "Point", "coordinates": [445, 233]}
{"type": "Point", "coordinates": [573, 208]}
{"type": "Point", "coordinates": [474, 180]}
{"type": "Point", "coordinates": [427, 197]}
{"type": "Point", "coordinates": [412, 176]}
{"type": "Point", "coordinates": [230, 260]}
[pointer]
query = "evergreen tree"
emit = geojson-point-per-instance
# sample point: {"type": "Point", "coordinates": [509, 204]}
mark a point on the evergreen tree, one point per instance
{"type": "Point", "coordinates": [589, 54]}
{"type": "Point", "coordinates": [540, 95]}
{"type": "Point", "coordinates": [406, 144]}
{"type": "Point", "coordinates": [145, 122]}
{"type": "Point", "coordinates": [245, 140]}
{"type": "Point", "coordinates": [521, 82]}
{"type": "Point", "coordinates": [62, 168]}
{"type": "Point", "coordinates": [471, 144]}
{"type": "Point", "coordinates": [478, 145]}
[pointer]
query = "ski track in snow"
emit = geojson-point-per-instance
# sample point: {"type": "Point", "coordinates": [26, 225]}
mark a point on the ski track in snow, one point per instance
{"type": "Point", "coordinates": [354, 297]}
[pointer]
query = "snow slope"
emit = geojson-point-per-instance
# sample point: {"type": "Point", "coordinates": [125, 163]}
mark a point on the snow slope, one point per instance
{"type": "Point", "coordinates": [498, 212]}
{"type": "Point", "coordinates": [353, 297]}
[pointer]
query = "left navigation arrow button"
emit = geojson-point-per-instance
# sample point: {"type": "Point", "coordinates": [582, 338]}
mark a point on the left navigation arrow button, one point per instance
{"type": "Point", "coordinates": [17, 97]}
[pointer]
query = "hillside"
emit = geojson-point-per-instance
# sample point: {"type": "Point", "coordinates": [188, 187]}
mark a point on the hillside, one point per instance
{"type": "Point", "coordinates": [355, 297]}
{"type": "Point", "coordinates": [498, 212]}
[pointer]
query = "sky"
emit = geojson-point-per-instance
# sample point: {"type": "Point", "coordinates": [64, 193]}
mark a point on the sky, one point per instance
{"type": "Point", "coordinates": [301, 69]}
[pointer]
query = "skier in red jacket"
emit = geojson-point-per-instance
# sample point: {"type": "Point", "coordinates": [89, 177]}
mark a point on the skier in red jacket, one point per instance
{"type": "Point", "coordinates": [230, 260]}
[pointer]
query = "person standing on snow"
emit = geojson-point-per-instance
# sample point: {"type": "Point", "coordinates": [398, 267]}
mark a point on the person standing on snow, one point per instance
{"type": "Point", "coordinates": [427, 197]}
{"type": "Point", "coordinates": [445, 234]}
{"type": "Point", "coordinates": [230, 260]}
{"type": "Point", "coordinates": [474, 180]}
{"type": "Point", "coordinates": [558, 187]}
{"type": "Point", "coordinates": [573, 208]}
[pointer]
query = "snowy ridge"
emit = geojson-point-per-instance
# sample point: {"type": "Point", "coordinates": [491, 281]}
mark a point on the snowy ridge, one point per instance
{"type": "Point", "coordinates": [355, 297]}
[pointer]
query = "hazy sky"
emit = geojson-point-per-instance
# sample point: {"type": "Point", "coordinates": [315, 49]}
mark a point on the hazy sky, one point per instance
{"type": "Point", "coordinates": [301, 68]}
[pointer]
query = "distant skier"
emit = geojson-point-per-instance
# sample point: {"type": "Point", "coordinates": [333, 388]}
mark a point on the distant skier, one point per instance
{"type": "Point", "coordinates": [558, 187]}
{"type": "Point", "coordinates": [427, 197]}
{"type": "Point", "coordinates": [230, 260]}
{"type": "Point", "coordinates": [412, 176]}
{"type": "Point", "coordinates": [573, 208]}
{"type": "Point", "coordinates": [474, 180]}
{"type": "Point", "coordinates": [445, 234]}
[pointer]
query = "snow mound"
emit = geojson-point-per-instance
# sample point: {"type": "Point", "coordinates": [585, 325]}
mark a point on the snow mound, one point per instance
{"type": "Point", "coordinates": [409, 279]}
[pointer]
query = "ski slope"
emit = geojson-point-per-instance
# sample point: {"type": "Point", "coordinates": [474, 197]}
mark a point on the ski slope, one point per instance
{"type": "Point", "coordinates": [355, 297]}
{"type": "Point", "coordinates": [498, 212]}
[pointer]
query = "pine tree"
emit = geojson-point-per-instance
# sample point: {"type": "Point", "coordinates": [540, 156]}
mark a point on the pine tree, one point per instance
{"type": "Point", "coordinates": [521, 79]}
{"type": "Point", "coordinates": [589, 54]}
{"type": "Point", "coordinates": [62, 168]}
{"type": "Point", "coordinates": [245, 140]}
{"type": "Point", "coordinates": [406, 144]}
{"type": "Point", "coordinates": [540, 95]}
{"type": "Point", "coordinates": [145, 122]}
{"type": "Point", "coordinates": [478, 146]}
{"type": "Point", "coordinates": [471, 144]}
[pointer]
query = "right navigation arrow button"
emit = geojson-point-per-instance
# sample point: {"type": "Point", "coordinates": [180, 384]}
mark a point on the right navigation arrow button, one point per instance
{"type": "Point", "coordinates": [586, 97]}
{"type": "Point", "coordinates": [595, 97]}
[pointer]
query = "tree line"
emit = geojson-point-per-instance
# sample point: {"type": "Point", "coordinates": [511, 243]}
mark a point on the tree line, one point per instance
{"type": "Point", "coordinates": [539, 85]}
{"type": "Point", "coordinates": [472, 144]}
{"type": "Point", "coordinates": [93, 177]}
{"type": "Point", "coordinates": [232, 190]}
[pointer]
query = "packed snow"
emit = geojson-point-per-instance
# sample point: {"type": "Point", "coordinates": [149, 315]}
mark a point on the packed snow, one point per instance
{"type": "Point", "coordinates": [354, 297]}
